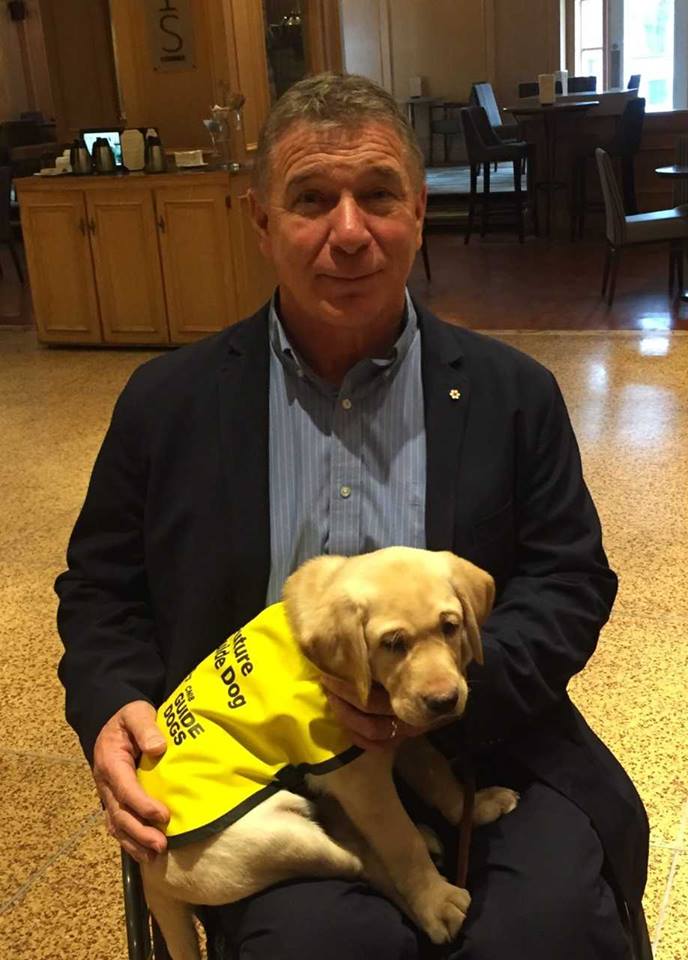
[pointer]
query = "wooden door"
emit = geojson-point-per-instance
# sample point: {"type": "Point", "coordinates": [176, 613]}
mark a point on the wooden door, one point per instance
{"type": "Point", "coordinates": [127, 265]}
{"type": "Point", "coordinates": [58, 254]}
{"type": "Point", "coordinates": [196, 259]}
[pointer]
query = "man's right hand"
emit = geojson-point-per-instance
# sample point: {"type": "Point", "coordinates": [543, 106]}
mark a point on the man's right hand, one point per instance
{"type": "Point", "coordinates": [127, 734]}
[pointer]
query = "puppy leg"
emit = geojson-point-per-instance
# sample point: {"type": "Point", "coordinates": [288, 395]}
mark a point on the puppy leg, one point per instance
{"type": "Point", "coordinates": [175, 920]}
{"type": "Point", "coordinates": [429, 773]}
{"type": "Point", "coordinates": [366, 792]}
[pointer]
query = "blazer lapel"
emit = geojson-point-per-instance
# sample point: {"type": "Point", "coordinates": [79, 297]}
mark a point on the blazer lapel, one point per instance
{"type": "Point", "coordinates": [243, 394]}
{"type": "Point", "coordinates": [446, 390]}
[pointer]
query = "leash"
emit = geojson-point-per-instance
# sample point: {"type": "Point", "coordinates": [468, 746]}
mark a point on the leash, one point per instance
{"type": "Point", "coordinates": [465, 827]}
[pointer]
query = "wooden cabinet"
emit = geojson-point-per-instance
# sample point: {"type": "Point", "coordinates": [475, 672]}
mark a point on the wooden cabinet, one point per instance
{"type": "Point", "coordinates": [196, 260]}
{"type": "Point", "coordinates": [140, 260]}
{"type": "Point", "coordinates": [58, 255]}
{"type": "Point", "coordinates": [124, 244]}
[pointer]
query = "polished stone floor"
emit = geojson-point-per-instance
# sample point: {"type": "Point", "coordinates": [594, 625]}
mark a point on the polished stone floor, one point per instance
{"type": "Point", "coordinates": [60, 892]}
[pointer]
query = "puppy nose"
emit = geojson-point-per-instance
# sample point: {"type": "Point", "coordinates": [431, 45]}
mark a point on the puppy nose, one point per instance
{"type": "Point", "coordinates": [444, 703]}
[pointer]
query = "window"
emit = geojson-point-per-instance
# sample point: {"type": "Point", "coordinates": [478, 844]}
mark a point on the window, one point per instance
{"type": "Point", "coordinates": [648, 49]}
{"type": "Point", "coordinates": [615, 39]}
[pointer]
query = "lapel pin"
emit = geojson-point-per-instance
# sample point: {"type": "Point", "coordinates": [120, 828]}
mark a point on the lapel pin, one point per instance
{"type": "Point", "coordinates": [455, 394]}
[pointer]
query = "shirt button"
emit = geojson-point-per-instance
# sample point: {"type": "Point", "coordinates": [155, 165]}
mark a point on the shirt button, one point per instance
{"type": "Point", "coordinates": [345, 491]}
{"type": "Point", "coordinates": [346, 403]}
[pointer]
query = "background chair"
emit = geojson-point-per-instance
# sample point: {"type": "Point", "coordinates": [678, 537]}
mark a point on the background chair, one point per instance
{"type": "Point", "coordinates": [5, 224]}
{"type": "Point", "coordinates": [622, 231]}
{"type": "Point", "coordinates": [485, 148]}
{"type": "Point", "coordinates": [634, 82]}
{"type": "Point", "coordinates": [680, 195]}
{"type": "Point", "coordinates": [623, 147]}
{"type": "Point", "coordinates": [482, 95]}
{"type": "Point", "coordinates": [582, 84]}
{"type": "Point", "coordinates": [447, 125]}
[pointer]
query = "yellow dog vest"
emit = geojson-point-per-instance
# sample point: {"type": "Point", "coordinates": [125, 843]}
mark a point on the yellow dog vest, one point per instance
{"type": "Point", "coordinates": [250, 720]}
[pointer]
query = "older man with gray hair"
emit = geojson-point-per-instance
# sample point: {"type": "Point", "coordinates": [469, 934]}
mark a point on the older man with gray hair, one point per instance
{"type": "Point", "coordinates": [341, 418]}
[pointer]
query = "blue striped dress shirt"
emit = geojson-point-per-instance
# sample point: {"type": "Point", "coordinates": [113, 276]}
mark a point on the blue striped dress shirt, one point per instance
{"type": "Point", "coordinates": [347, 463]}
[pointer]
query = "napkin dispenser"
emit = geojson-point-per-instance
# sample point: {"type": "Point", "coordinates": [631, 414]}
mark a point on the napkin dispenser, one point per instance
{"type": "Point", "coordinates": [546, 88]}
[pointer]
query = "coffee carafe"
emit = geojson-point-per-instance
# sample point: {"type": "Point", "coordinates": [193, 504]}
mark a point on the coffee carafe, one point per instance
{"type": "Point", "coordinates": [155, 156]}
{"type": "Point", "coordinates": [80, 159]}
{"type": "Point", "coordinates": [103, 157]}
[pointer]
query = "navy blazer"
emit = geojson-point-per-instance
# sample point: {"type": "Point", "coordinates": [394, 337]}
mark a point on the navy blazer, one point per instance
{"type": "Point", "coordinates": [171, 551]}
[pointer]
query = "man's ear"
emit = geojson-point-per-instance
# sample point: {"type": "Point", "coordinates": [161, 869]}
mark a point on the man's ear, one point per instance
{"type": "Point", "coordinates": [476, 590]}
{"type": "Point", "coordinates": [258, 211]}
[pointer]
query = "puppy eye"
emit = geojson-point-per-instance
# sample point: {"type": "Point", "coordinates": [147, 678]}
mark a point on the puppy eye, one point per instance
{"type": "Point", "coordinates": [394, 642]}
{"type": "Point", "coordinates": [449, 628]}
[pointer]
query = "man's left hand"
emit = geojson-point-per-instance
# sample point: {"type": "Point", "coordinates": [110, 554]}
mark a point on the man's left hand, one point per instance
{"type": "Point", "coordinates": [372, 725]}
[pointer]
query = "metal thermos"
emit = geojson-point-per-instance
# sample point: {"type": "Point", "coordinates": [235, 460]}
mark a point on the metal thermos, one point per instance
{"type": "Point", "coordinates": [103, 157]}
{"type": "Point", "coordinates": [155, 156]}
{"type": "Point", "coordinates": [80, 159]}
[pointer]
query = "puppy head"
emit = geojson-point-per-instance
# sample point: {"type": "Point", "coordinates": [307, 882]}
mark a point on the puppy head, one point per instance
{"type": "Point", "coordinates": [404, 618]}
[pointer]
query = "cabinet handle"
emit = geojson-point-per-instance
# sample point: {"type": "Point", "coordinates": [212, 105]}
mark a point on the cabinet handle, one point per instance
{"type": "Point", "coordinates": [92, 225]}
{"type": "Point", "coordinates": [161, 223]}
{"type": "Point", "coordinates": [82, 225]}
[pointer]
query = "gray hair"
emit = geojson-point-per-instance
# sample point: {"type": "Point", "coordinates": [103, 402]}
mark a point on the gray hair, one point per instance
{"type": "Point", "coordinates": [333, 100]}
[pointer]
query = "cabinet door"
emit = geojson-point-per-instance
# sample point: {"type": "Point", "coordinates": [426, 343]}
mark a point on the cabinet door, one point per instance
{"type": "Point", "coordinates": [196, 260]}
{"type": "Point", "coordinates": [255, 275]}
{"type": "Point", "coordinates": [58, 254]}
{"type": "Point", "coordinates": [127, 265]}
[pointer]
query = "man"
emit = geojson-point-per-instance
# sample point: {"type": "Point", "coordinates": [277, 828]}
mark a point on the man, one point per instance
{"type": "Point", "coordinates": [342, 418]}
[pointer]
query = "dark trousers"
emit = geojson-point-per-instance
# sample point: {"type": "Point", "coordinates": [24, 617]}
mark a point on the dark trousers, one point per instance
{"type": "Point", "coordinates": [537, 887]}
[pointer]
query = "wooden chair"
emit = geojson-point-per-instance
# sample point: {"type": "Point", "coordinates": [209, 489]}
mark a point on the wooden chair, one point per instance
{"type": "Point", "coordinates": [634, 82]}
{"type": "Point", "coordinates": [582, 84]}
{"type": "Point", "coordinates": [668, 226]}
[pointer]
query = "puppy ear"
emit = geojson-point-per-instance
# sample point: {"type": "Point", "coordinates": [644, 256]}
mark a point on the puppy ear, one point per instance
{"type": "Point", "coordinates": [476, 590]}
{"type": "Point", "coordinates": [328, 623]}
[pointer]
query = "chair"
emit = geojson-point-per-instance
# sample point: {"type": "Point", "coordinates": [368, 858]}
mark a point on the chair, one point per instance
{"type": "Point", "coordinates": [582, 84]}
{"type": "Point", "coordinates": [669, 226]}
{"type": "Point", "coordinates": [5, 225]}
{"type": "Point", "coordinates": [634, 82]}
{"type": "Point", "coordinates": [680, 195]}
{"type": "Point", "coordinates": [485, 148]}
{"type": "Point", "coordinates": [532, 89]}
{"type": "Point", "coordinates": [445, 126]}
{"type": "Point", "coordinates": [482, 95]}
{"type": "Point", "coordinates": [623, 147]}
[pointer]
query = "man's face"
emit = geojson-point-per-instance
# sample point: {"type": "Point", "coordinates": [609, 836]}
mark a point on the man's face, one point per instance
{"type": "Point", "coordinates": [341, 222]}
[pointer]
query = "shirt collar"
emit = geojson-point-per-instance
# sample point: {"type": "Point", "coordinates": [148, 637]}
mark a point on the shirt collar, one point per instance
{"type": "Point", "coordinates": [363, 370]}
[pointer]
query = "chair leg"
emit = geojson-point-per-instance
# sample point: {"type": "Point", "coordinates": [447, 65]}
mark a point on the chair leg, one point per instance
{"type": "Point", "coordinates": [471, 202]}
{"type": "Point", "coordinates": [607, 265]}
{"type": "Point", "coordinates": [17, 264]}
{"type": "Point", "coordinates": [673, 266]}
{"type": "Point", "coordinates": [486, 200]}
{"type": "Point", "coordinates": [426, 259]}
{"type": "Point", "coordinates": [616, 258]}
{"type": "Point", "coordinates": [445, 142]}
{"type": "Point", "coordinates": [519, 200]}
{"type": "Point", "coordinates": [532, 189]}
{"type": "Point", "coordinates": [680, 262]}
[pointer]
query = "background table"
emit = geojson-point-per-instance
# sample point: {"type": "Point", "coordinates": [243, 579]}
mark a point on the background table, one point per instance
{"type": "Point", "coordinates": [551, 114]}
{"type": "Point", "coordinates": [677, 171]}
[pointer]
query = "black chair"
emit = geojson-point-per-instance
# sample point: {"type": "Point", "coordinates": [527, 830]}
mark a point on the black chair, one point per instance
{"type": "Point", "coordinates": [623, 148]}
{"type": "Point", "coordinates": [482, 95]}
{"type": "Point", "coordinates": [582, 84]}
{"type": "Point", "coordinates": [447, 126]}
{"type": "Point", "coordinates": [5, 224]}
{"type": "Point", "coordinates": [485, 148]}
{"type": "Point", "coordinates": [531, 88]}
{"type": "Point", "coordinates": [634, 82]}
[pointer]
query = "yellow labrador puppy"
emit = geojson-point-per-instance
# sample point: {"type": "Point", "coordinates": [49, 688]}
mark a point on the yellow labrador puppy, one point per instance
{"type": "Point", "coordinates": [404, 618]}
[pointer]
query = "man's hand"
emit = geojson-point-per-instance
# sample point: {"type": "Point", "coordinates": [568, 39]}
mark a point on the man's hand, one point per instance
{"type": "Point", "coordinates": [128, 733]}
{"type": "Point", "coordinates": [372, 726]}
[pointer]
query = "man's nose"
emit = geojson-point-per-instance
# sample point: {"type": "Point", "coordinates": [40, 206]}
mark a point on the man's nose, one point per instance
{"type": "Point", "coordinates": [349, 230]}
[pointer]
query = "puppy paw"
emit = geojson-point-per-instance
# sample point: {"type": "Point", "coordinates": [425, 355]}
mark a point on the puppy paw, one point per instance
{"type": "Point", "coordinates": [441, 910]}
{"type": "Point", "coordinates": [492, 803]}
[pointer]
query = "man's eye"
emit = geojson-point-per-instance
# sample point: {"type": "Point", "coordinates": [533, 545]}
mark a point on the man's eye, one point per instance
{"type": "Point", "coordinates": [309, 198]}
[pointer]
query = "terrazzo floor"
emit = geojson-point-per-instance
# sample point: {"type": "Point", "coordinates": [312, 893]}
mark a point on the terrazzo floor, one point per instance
{"type": "Point", "coordinates": [60, 890]}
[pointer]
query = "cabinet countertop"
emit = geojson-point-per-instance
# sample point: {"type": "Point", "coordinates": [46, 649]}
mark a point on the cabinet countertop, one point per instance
{"type": "Point", "coordinates": [120, 181]}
